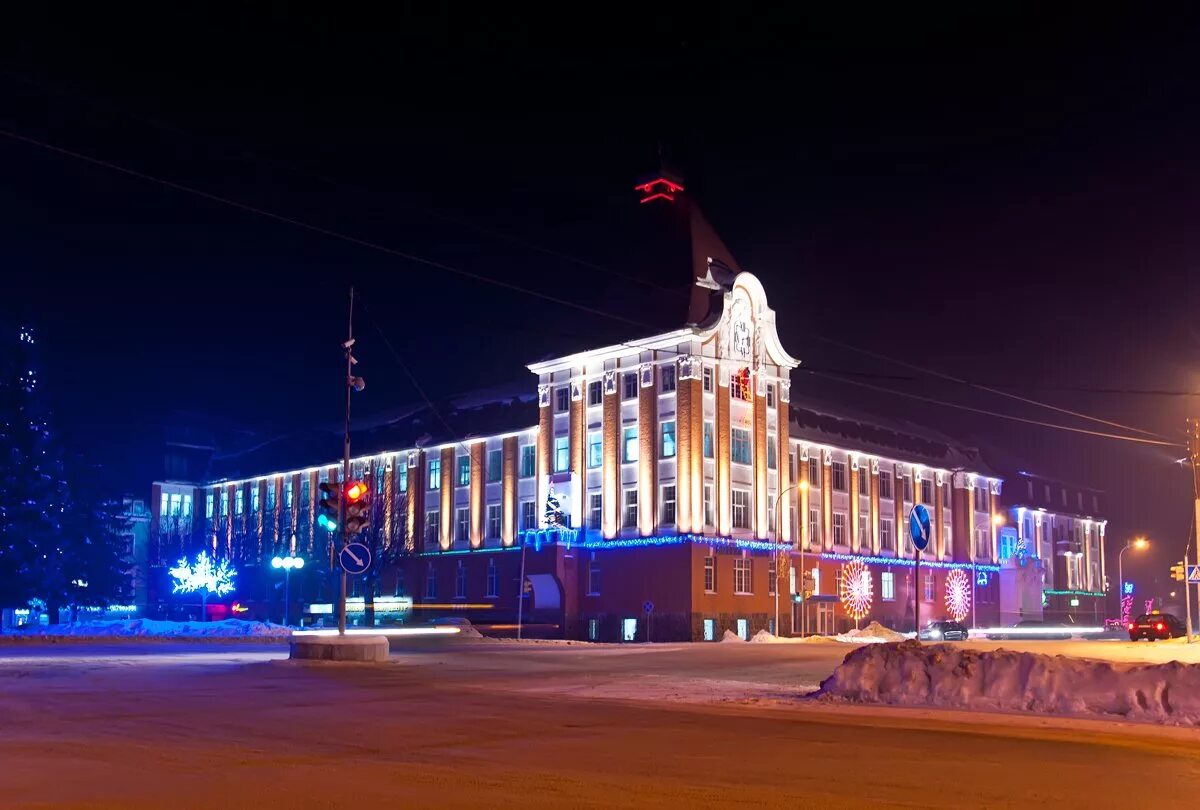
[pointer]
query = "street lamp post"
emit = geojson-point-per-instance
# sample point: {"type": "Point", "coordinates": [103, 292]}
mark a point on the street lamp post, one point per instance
{"type": "Point", "coordinates": [1138, 543]}
{"type": "Point", "coordinates": [288, 564]}
{"type": "Point", "coordinates": [779, 553]}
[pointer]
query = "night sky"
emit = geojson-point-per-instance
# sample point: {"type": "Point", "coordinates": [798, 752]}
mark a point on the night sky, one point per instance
{"type": "Point", "coordinates": [1007, 199]}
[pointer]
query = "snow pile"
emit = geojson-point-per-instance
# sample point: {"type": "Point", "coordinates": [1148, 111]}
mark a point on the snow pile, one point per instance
{"type": "Point", "coordinates": [872, 633]}
{"type": "Point", "coordinates": [141, 628]}
{"type": "Point", "coordinates": [729, 635]}
{"type": "Point", "coordinates": [912, 674]}
{"type": "Point", "coordinates": [763, 637]}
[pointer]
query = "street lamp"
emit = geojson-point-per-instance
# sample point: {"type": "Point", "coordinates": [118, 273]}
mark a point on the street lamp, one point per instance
{"type": "Point", "coordinates": [288, 564]}
{"type": "Point", "coordinates": [1138, 543]}
{"type": "Point", "coordinates": [779, 548]}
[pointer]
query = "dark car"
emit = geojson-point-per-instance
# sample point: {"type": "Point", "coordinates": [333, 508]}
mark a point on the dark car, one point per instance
{"type": "Point", "coordinates": [945, 630]}
{"type": "Point", "coordinates": [1155, 626]}
{"type": "Point", "coordinates": [1031, 629]}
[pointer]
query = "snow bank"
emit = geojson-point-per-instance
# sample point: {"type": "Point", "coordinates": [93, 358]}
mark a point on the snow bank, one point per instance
{"type": "Point", "coordinates": [151, 628]}
{"type": "Point", "coordinates": [872, 633]}
{"type": "Point", "coordinates": [729, 635]}
{"type": "Point", "coordinates": [763, 637]}
{"type": "Point", "coordinates": [912, 674]}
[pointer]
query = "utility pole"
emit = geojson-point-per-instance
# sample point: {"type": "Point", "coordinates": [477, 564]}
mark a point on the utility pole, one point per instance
{"type": "Point", "coordinates": [348, 346]}
{"type": "Point", "coordinates": [1194, 455]}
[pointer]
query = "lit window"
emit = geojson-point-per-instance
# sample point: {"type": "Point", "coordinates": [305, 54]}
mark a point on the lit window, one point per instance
{"type": "Point", "coordinates": [254, 502]}
{"type": "Point", "coordinates": [493, 514]}
{"type": "Point", "coordinates": [887, 586]}
{"type": "Point", "coordinates": [629, 385]}
{"type": "Point", "coordinates": [528, 460]}
{"type": "Point", "coordinates": [593, 629]}
{"type": "Point", "coordinates": [667, 374]}
{"type": "Point", "coordinates": [710, 630]}
{"type": "Point", "coordinates": [595, 449]}
{"type": "Point", "coordinates": [238, 502]}
{"type": "Point", "coordinates": [287, 495]}
{"type": "Point", "coordinates": [435, 473]}
{"type": "Point", "coordinates": [707, 376]}
{"type": "Point", "coordinates": [224, 503]}
{"type": "Point", "coordinates": [433, 526]}
{"type": "Point", "coordinates": [528, 515]}
{"type": "Point", "coordinates": [741, 508]}
{"type": "Point", "coordinates": [631, 509]}
{"type": "Point", "coordinates": [562, 399]}
{"type": "Point", "coordinates": [495, 463]}
{"type": "Point", "coordinates": [595, 516]}
{"type": "Point", "coordinates": [710, 574]}
{"type": "Point", "coordinates": [668, 440]}
{"type": "Point", "coordinates": [562, 453]}
{"type": "Point", "coordinates": [739, 385]}
{"type": "Point", "coordinates": [630, 453]}
{"type": "Point", "coordinates": [595, 393]}
{"type": "Point", "coordinates": [271, 496]}
{"type": "Point", "coordinates": [709, 518]}
{"type": "Point", "coordinates": [708, 440]}
{"type": "Point", "coordinates": [772, 453]}
{"type": "Point", "coordinates": [401, 479]}
{"type": "Point", "coordinates": [839, 528]}
{"type": "Point", "coordinates": [668, 505]}
{"type": "Point", "coordinates": [743, 582]}
{"type": "Point", "coordinates": [740, 449]}
{"type": "Point", "coordinates": [927, 588]}
{"type": "Point", "coordinates": [772, 576]}
{"type": "Point", "coordinates": [208, 506]}
{"type": "Point", "coordinates": [464, 471]}
{"type": "Point", "coordinates": [887, 540]}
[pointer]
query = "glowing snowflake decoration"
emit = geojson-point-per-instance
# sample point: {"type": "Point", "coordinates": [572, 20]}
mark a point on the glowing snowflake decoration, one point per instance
{"type": "Point", "coordinates": [958, 594]}
{"type": "Point", "coordinates": [854, 589]}
{"type": "Point", "coordinates": [205, 575]}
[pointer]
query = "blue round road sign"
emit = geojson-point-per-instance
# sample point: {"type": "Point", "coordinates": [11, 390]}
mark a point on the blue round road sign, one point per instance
{"type": "Point", "coordinates": [355, 558]}
{"type": "Point", "coordinates": [918, 526]}
{"type": "Point", "coordinates": [648, 607]}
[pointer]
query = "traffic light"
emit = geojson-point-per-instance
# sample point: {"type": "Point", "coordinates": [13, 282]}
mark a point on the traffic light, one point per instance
{"type": "Point", "coordinates": [1177, 572]}
{"type": "Point", "coordinates": [356, 507]}
{"type": "Point", "coordinates": [330, 499]}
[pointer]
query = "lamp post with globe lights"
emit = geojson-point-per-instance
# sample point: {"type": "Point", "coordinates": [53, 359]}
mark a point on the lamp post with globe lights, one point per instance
{"type": "Point", "coordinates": [288, 564]}
{"type": "Point", "coordinates": [1137, 542]}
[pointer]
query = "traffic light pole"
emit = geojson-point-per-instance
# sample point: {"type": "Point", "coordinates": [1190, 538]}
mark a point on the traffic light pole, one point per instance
{"type": "Point", "coordinates": [345, 467]}
{"type": "Point", "coordinates": [1194, 453]}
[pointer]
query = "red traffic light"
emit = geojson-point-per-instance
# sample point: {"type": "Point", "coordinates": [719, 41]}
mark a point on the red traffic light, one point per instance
{"type": "Point", "coordinates": [355, 490]}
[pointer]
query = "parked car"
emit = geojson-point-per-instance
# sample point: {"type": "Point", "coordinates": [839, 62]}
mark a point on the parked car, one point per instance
{"type": "Point", "coordinates": [1033, 629]}
{"type": "Point", "coordinates": [1155, 626]}
{"type": "Point", "coordinates": [944, 630]}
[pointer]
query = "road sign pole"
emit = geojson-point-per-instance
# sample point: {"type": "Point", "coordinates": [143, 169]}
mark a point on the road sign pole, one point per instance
{"type": "Point", "coordinates": [917, 589]}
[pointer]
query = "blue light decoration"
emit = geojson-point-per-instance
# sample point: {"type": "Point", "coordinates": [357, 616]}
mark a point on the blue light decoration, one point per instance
{"type": "Point", "coordinates": [205, 576]}
{"type": "Point", "coordinates": [1127, 588]}
{"type": "Point", "coordinates": [982, 578]}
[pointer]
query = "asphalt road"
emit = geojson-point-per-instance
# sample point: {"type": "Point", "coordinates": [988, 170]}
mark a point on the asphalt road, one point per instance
{"type": "Point", "coordinates": [183, 726]}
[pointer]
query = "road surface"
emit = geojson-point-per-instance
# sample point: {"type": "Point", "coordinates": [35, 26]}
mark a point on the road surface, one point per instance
{"type": "Point", "coordinates": [503, 725]}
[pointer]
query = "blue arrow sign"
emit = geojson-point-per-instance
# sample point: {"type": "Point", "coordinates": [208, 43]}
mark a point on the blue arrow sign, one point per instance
{"type": "Point", "coordinates": [1193, 574]}
{"type": "Point", "coordinates": [918, 526]}
{"type": "Point", "coordinates": [355, 558]}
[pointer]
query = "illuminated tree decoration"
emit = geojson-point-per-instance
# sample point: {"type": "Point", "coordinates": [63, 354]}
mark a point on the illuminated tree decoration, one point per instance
{"type": "Point", "coordinates": [854, 589]}
{"type": "Point", "coordinates": [958, 594]}
{"type": "Point", "coordinates": [206, 577]}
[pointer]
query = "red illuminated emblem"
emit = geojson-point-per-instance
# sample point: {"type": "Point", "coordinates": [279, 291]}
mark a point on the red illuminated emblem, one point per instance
{"type": "Point", "coordinates": [659, 188]}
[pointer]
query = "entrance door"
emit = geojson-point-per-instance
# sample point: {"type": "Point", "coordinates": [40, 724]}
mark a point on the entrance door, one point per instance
{"type": "Point", "coordinates": [825, 619]}
{"type": "Point", "coordinates": [629, 630]}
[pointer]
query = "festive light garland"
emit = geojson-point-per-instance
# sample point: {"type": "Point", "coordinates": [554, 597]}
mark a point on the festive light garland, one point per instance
{"type": "Point", "coordinates": [854, 588]}
{"type": "Point", "coordinates": [908, 563]}
{"type": "Point", "coordinates": [1073, 593]}
{"type": "Point", "coordinates": [203, 576]}
{"type": "Point", "coordinates": [958, 594]}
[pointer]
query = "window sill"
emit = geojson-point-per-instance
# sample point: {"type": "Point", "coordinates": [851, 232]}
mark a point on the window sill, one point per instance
{"type": "Point", "coordinates": [743, 593]}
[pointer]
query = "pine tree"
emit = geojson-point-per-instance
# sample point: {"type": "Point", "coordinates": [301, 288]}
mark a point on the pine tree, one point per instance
{"type": "Point", "coordinates": [96, 562]}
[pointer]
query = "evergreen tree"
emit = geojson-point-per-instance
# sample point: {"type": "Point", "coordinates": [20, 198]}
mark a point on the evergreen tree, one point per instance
{"type": "Point", "coordinates": [96, 562]}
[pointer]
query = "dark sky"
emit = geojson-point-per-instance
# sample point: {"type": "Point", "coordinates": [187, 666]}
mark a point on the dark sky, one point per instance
{"type": "Point", "coordinates": [1006, 198]}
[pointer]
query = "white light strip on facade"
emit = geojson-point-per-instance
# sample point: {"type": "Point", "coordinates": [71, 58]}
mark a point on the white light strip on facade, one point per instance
{"type": "Point", "coordinates": [383, 631]}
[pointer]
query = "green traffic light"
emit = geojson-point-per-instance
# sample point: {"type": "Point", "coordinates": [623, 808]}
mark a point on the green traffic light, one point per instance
{"type": "Point", "coordinates": [327, 523]}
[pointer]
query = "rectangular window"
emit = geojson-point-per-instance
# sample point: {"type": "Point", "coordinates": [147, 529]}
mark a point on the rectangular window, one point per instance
{"type": "Point", "coordinates": [460, 581]}
{"type": "Point", "coordinates": [927, 588]}
{"type": "Point", "coordinates": [709, 451]}
{"type": "Point", "coordinates": [743, 582]}
{"type": "Point", "coordinates": [287, 495]}
{"type": "Point", "coordinates": [667, 373]}
{"type": "Point", "coordinates": [864, 536]}
{"type": "Point", "coordinates": [433, 526]}
{"type": "Point", "coordinates": [885, 485]}
{"type": "Point", "coordinates": [981, 542]}
{"type": "Point", "coordinates": [1008, 546]}
{"type": "Point", "coordinates": [462, 524]}
{"type": "Point", "coordinates": [887, 539]}
{"type": "Point", "coordinates": [224, 503]}
{"type": "Point", "coordinates": [628, 629]}
{"type": "Point", "coordinates": [710, 574]}
{"type": "Point", "coordinates": [814, 472]}
{"type": "Point", "coordinates": [595, 393]}
{"type": "Point", "coordinates": [709, 516]}
{"type": "Point", "coordinates": [816, 581]}
{"type": "Point", "coordinates": [271, 496]}
{"type": "Point", "coordinates": [400, 589]}
{"type": "Point", "coordinates": [595, 511]}
{"type": "Point", "coordinates": [839, 528]}
{"type": "Point", "coordinates": [464, 471]}
{"type": "Point", "coordinates": [435, 473]}
{"type": "Point", "coordinates": [493, 517]}
{"type": "Point", "coordinates": [887, 586]}
{"type": "Point", "coordinates": [707, 376]}
{"type": "Point", "coordinates": [864, 485]}
{"type": "Point", "coordinates": [208, 506]}
{"type": "Point", "coordinates": [593, 629]}
{"type": "Point", "coordinates": [430, 582]}
{"type": "Point", "coordinates": [740, 446]}
{"type": "Point", "coordinates": [926, 491]}
{"type": "Point", "coordinates": [528, 516]}
{"type": "Point", "coordinates": [741, 508]}
{"type": "Point", "coordinates": [838, 469]}
{"type": "Point", "coordinates": [772, 453]}
{"type": "Point", "coordinates": [772, 579]}
{"type": "Point", "coordinates": [770, 395]}
{"type": "Point", "coordinates": [253, 500]}
{"type": "Point", "coordinates": [562, 399]}
{"type": "Point", "coordinates": [945, 496]}
{"type": "Point", "coordinates": [495, 464]}
{"type": "Point", "coordinates": [629, 386]}
{"type": "Point", "coordinates": [739, 385]}
{"type": "Point", "coordinates": [668, 440]}
{"type": "Point", "coordinates": [630, 517]}
{"type": "Point", "coordinates": [668, 505]}
{"type": "Point", "coordinates": [593, 578]}
{"type": "Point", "coordinates": [743, 629]}
{"type": "Point", "coordinates": [907, 489]}
{"type": "Point", "coordinates": [981, 499]}
{"type": "Point", "coordinates": [710, 630]}
{"type": "Point", "coordinates": [595, 449]}
{"type": "Point", "coordinates": [238, 502]}
{"type": "Point", "coordinates": [401, 480]}
{"type": "Point", "coordinates": [528, 460]}
{"type": "Point", "coordinates": [562, 453]}
{"type": "Point", "coordinates": [493, 580]}
{"type": "Point", "coordinates": [630, 449]}
{"type": "Point", "coordinates": [814, 525]}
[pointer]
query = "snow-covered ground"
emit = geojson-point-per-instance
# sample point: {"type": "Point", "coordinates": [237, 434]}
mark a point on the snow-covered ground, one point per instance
{"type": "Point", "coordinates": [951, 676]}
{"type": "Point", "coordinates": [150, 628]}
{"type": "Point", "coordinates": [873, 633]}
